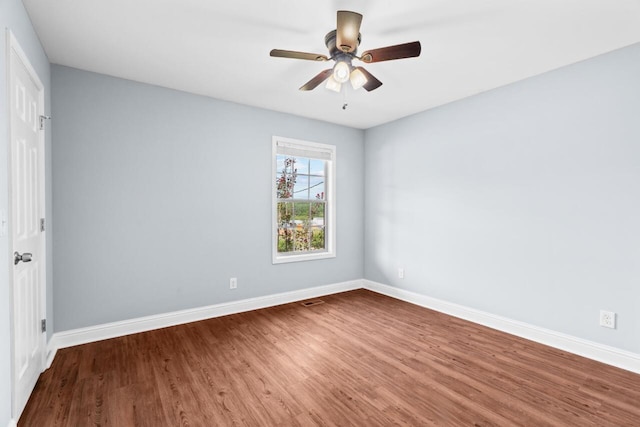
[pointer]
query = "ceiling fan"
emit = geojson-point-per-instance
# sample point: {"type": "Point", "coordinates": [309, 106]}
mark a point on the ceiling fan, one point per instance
{"type": "Point", "coordinates": [343, 45]}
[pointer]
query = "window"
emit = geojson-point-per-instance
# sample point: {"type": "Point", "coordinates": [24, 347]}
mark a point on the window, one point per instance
{"type": "Point", "coordinates": [303, 200]}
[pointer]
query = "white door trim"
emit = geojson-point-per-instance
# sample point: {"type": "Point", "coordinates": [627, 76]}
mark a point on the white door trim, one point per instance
{"type": "Point", "coordinates": [13, 45]}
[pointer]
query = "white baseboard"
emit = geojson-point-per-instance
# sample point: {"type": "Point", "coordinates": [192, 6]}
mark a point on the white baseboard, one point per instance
{"type": "Point", "coordinates": [142, 324]}
{"type": "Point", "coordinates": [51, 352]}
{"type": "Point", "coordinates": [591, 350]}
{"type": "Point", "coordinates": [12, 423]}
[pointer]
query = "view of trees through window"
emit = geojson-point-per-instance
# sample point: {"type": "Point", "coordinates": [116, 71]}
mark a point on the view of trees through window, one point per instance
{"type": "Point", "coordinates": [301, 204]}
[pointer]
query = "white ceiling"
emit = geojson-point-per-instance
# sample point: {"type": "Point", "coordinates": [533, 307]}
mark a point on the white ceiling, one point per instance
{"type": "Point", "coordinates": [221, 48]}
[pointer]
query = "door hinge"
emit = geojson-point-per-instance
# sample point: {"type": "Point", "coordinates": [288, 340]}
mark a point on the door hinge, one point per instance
{"type": "Point", "coordinates": [43, 325]}
{"type": "Point", "coordinates": [41, 224]}
{"type": "Point", "coordinates": [42, 119]}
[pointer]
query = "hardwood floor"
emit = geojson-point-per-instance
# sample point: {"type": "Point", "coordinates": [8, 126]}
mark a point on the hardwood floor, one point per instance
{"type": "Point", "coordinates": [359, 359]}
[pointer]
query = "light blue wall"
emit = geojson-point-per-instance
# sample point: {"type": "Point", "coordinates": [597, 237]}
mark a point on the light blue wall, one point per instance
{"type": "Point", "coordinates": [162, 196]}
{"type": "Point", "coordinates": [14, 17]}
{"type": "Point", "coordinates": [522, 202]}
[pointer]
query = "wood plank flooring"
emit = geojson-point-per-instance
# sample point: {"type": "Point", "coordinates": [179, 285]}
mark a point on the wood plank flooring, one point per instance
{"type": "Point", "coordinates": [359, 359]}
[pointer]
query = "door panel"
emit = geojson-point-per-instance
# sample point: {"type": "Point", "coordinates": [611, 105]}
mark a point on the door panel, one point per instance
{"type": "Point", "coordinates": [27, 171]}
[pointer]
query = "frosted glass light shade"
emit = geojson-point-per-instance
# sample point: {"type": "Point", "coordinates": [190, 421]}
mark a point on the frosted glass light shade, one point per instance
{"type": "Point", "coordinates": [333, 85]}
{"type": "Point", "coordinates": [341, 72]}
{"type": "Point", "coordinates": [358, 79]}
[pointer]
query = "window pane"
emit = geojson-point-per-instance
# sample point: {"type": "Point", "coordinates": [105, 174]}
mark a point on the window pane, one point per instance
{"type": "Point", "coordinates": [301, 212]}
{"type": "Point", "coordinates": [316, 187]}
{"type": "Point", "coordinates": [302, 239]}
{"type": "Point", "coordinates": [280, 163]}
{"type": "Point", "coordinates": [317, 213]}
{"type": "Point", "coordinates": [285, 214]}
{"type": "Point", "coordinates": [316, 167]}
{"type": "Point", "coordinates": [285, 240]}
{"type": "Point", "coordinates": [285, 184]}
{"type": "Point", "coordinates": [285, 163]}
{"type": "Point", "coordinates": [317, 238]}
{"type": "Point", "coordinates": [301, 187]}
{"type": "Point", "coordinates": [301, 165]}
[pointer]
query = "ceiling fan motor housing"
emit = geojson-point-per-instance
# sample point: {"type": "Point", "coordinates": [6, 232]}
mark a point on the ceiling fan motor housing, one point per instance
{"type": "Point", "coordinates": [334, 51]}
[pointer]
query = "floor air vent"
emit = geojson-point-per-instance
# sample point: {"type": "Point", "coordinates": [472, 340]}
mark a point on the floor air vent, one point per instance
{"type": "Point", "coordinates": [312, 302]}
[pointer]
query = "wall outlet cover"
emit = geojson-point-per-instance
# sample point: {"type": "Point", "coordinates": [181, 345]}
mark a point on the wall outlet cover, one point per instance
{"type": "Point", "coordinates": [607, 319]}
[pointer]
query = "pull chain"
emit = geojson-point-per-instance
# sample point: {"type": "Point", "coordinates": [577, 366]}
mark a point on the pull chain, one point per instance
{"type": "Point", "coordinates": [344, 97]}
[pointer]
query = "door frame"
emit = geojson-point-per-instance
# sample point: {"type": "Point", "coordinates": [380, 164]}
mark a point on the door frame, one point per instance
{"type": "Point", "coordinates": [13, 45]}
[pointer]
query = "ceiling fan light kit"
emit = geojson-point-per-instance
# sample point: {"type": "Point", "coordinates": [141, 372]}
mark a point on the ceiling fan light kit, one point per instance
{"type": "Point", "coordinates": [343, 45]}
{"type": "Point", "coordinates": [343, 72]}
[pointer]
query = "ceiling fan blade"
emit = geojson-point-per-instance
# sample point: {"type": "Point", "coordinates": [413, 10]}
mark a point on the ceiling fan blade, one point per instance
{"type": "Point", "coordinates": [314, 82]}
{"type": "Point", "coordinates": [348, 30]}
{"type": "Point", "coordinates": [297, 55]}
{"type": "Point", "coordinates": [406, 50]}
{"type": "Point", "coordinates": [372, 83]}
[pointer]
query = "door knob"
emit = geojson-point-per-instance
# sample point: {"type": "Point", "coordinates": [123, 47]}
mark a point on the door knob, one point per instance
{"type": "Point", "coordinates": [25, 257]}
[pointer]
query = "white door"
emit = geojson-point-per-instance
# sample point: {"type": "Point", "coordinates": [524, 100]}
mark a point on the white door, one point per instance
{"type": "Point", "coordinates": [27, 177]}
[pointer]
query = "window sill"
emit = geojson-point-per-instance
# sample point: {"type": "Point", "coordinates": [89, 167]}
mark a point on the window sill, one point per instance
{"type": "Point", "coordinates": [283, 259]}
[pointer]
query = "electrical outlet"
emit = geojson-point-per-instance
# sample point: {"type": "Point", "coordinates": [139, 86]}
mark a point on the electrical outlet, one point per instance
{"type": "Point", "coordinates": [401, 273]}
{"type": "Point", "coordinates": [607, 319]}
{"type": "Point", "coordinates": [233, 283]}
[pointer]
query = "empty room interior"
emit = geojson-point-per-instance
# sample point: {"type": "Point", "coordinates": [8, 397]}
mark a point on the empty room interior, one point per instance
{"type": "Point", "coordinates": [302, 213]}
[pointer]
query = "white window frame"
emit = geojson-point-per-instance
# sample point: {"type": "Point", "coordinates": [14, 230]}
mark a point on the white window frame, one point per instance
{"type": "Point", "coordinates": [330, 198]}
